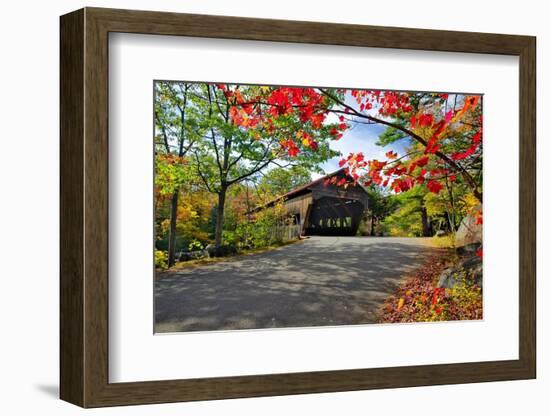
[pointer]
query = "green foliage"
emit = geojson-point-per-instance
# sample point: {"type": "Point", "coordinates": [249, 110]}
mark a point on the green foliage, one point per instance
{"type": "Point", "coordinates": [391, 135]}
{"type": "Point", "coordinates": [405, 219]}
{"type": "Point", "coordinates": [380, 205]}
{"type": "Point", "coordinates": [279, 181]}
{"type": "Point", "coordinates": [233, 148]}
{"type": "Point", "coordinates": [264, 231]}
{"type": "Point", "coordinates": [404, 222]}
{"type": "Point", "coordinates": [171, 173]}
{"type": "Point", "coordinates": [195, 245]}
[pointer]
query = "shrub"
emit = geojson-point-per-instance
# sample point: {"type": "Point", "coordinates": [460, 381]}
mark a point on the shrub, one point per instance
{"type": "Point", "coordinates": [195, 245]}
{"type": "Point", "coordinates": [265, 230]}
{"type": "Point", "coordinates": [444, 241]}
{"type": "Point", "coordinates": [161, 259]}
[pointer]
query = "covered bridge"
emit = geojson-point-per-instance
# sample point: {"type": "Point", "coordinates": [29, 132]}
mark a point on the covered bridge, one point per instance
{"type": "Point", "coordinates": [331, 205]}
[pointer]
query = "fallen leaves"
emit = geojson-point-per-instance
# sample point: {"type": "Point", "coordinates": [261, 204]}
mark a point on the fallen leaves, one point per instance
{"type": "Point", "coordinates": [420, 300]}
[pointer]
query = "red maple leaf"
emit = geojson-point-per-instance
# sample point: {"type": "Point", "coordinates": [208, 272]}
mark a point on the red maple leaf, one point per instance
{"type": "Point", "coordinates": [434, 186]}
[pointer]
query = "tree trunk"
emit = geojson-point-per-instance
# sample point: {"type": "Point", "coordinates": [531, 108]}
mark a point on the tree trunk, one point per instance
{"type": "Point", "coordinates": [172, 229]}
{"type": "Point", "coordinates": [219, 217]}
{"type": "Point", "coordinates": [372, 226]}
{"type": "Point", "coordinates": [426, 225]}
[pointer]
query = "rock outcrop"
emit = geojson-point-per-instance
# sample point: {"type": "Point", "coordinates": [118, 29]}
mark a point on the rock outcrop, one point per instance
{"type": "Point", "coordinates": [469, 231]}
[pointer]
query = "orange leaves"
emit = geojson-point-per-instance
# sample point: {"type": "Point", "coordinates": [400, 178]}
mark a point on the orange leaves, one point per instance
{"type": "Point", "coordinates": [375, 164]}
{"type": "Point", "coordinates": [400, 304]}
{"type": "Point", "coordinates": [433, 145]}
{"type": "Point", "coordinates": [470, 103]}
{"type": "Point", "coordinates": [307, 140]}
{"type": "Point", "coordinates": [242, 117]}
{"type": "Point", "coordinates": [391, 155]}
{"type": "Point", "coordinates": [171, 159]}
{"type": "Point", "coordinates": [290, 146]}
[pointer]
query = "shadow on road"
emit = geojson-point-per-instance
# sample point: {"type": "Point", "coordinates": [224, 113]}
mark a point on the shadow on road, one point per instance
{"type": "Point", "coordinates": [323, 281]}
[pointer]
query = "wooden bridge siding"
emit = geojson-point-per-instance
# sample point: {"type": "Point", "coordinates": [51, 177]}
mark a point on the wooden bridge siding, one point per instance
{"type": "Point", "coordinates": [300, 206]}
{"type": "Point", "coordinates": [352, 192]}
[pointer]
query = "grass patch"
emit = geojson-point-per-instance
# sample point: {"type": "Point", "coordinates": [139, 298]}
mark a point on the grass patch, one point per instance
{"type": "Point", "coordinates": [444, 241]}
{"type": "Point", "coordinates": [211, 260]}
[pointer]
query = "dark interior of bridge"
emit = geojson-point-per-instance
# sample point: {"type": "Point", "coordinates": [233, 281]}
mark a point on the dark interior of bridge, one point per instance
{"type": "Point", "coordinates": [334, 216]}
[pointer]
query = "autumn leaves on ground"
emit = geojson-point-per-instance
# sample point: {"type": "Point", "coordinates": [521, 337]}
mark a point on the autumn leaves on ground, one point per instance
{"type": "Point", "coordinates": [229, 158]}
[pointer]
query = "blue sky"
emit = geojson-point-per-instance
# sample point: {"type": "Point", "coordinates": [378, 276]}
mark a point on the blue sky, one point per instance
{"type": "Point", "coordinates": [361, 138]}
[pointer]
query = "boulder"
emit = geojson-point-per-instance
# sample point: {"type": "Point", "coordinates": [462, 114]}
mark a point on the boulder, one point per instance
{"type": "Point", "coordinates": [469, 232]}
{"type": "Point", "coordinates": [193, 255]}
{"type": "Point", "coordinates": [468, 249]}
{"type": "Point", "coordinates": [474, 269]}
{"type": "Point", "coordinates": [469, 268]}
{"type": "Point", "coordinates": [226, 250]}
{"type": "Point", "coordinates": [184, 256]}
{"type": "Point", "coordinates": [447, 278]}
{"type": "Point", "coordinates": [211, 248]}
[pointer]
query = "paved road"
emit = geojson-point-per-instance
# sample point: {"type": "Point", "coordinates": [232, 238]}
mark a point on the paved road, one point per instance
{"type": "Point", "coordinates": [319, 281]}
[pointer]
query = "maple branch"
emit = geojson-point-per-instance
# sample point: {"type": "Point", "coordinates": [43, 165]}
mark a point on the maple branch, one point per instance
{"type": "Point", "coordinates": [164, 135]}
{"type": "Point", "coordinates": [403, 157]}
{"type": "Point", "coordinates": [201, 174]}
{"type": "Point", "coordinates": [256, 169]}
{"type": "Point", "coordinates": [457, 167]}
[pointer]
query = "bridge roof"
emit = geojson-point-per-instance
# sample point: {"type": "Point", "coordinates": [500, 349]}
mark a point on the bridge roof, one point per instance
{"type": "Point", "coordinates": [304, 189]}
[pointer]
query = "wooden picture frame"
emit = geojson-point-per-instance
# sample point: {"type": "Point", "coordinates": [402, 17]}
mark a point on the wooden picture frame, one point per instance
{"type": "Point", "coordinates": [84, 207]}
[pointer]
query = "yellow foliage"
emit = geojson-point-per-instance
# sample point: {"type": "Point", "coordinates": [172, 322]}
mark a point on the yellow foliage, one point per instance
{"type": "Point", "coordinates": [470, 202]}
{"type": "Point", "coordinates": [445, 241]}
{"type": "Point", "coordinates": [400, 303]}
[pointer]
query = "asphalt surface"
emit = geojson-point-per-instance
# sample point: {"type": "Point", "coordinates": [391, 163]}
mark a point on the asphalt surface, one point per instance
{"type": "Point", "coordinates": [319, 281]}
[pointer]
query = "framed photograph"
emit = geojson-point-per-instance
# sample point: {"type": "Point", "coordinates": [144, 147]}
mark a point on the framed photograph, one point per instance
{"type": "Point", "coordinates": [255, 207]}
